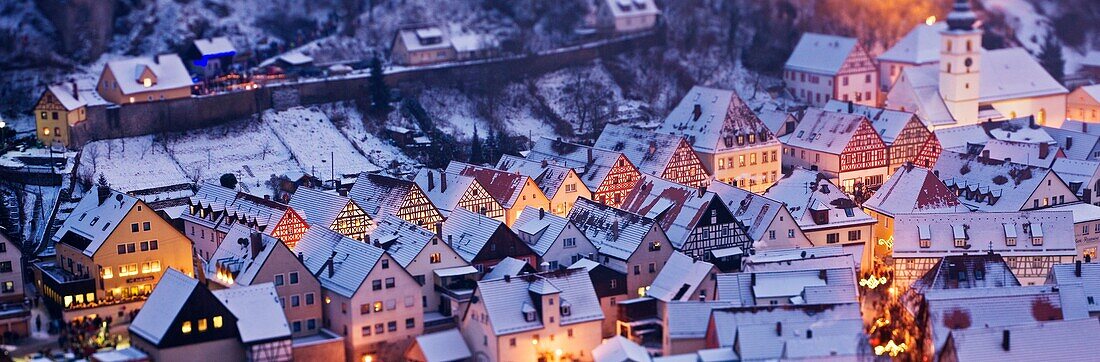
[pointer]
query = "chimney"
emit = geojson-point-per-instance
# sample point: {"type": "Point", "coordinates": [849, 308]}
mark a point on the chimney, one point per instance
{"type": "Point", "coordinates": [331, 268]}
{"type": "Point", "coordinates": [590, 158]}
{"type": "Point", "coordinates": [985, 153]}
{"type": "Point", "coordinates": [1084, 127]}
{"type": "Point", "coordinates": [301, 258]}
{"type": "Point", "coordinates": [156, 59]}
{"type": "Point", "coordinates": [544, 163]}
{"type": "Point", "coordinates": [76, 95]}
{"type": "Point", "coordinates": [544, 267]}
{"type": "Point", "coordinates": [366, 239]}
{"type": "Point", "coordinates": [507, 278]}
{"type": "Point", "coordinates": [103, 192]}
{"type": "Point", "coordinates": [450, 239]}
{"type": "Point", "coordinates": [813, 167]}
{"type": "Point", "coordinates": [255, 243]}
{"type": "Point", "coordinates": [779, 329]}
{"type": "Point", "coordinates": [431, 180]}
{"type": "Point", "coordinates": [443, 181]}
{"type": "Point", "coordinates": [809, 334]}
{"type": "Point", "coordinates": [1005, 340]}
{"type": "Point", "coordinates": [851, 107]}
{"type": "Point", "coordinates": [1044, 150]}
{"type": "Point", "coordinates": [702, 190]}
{"type": "Point", "coordinates": [267, 197]}
{"type": "Point", "coordinates": [1069, 142]}
{"type": "Point", "coordinates": [822, 275]}
{"type": "Point", "coordinates": [752, 279]}
{"type": "Point", "coordinates": [696, 112]}
{"type": "Point", "coordinates": [1077, 268]}
{"type": "Point", "coordinates": [542, 213]}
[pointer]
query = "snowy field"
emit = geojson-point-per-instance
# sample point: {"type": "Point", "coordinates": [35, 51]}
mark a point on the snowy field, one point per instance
{"type": "Point", "coordinates": [351, 124]}
{"type": "Point", "coordinates": [244, 148]}
{"type": "Point", "coordinates": [454, 112]}
{"type": "Point", "coordinates": [132, 163]}
{"type": "Point", "coordinates": [316, 144]}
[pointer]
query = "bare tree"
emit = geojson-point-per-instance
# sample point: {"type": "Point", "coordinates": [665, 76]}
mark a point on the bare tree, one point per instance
{"type": "Point", "coordinates": [588, 101]}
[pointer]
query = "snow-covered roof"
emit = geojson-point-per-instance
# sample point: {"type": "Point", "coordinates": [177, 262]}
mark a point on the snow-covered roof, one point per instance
{"type": "Point", "coordinates": [233, 206]}
{"type": "Point", "coordinates": [421, 39]}
{"type": "Point", "coordinates": [506, 299]}
{"type": "Point", "coordinates": [680, 277]}
{"type": "Point", "coordinates": [1089, 279]}
{"type": "Point", "coordinates": [679, 209]}
{"type": "Point", "coordinates": [260, 316]}
{"type": "Point", "coordinates": [1075, 145]}
{"type": "Point", "coordinates": [319, 208]}
{"type": "Point", "coordinates": [443, 346]}
{"type": "Point", "coordinates": [792, 254]}
{"type": "Point", "coordinates": [295, 58]}
{"type": "Point", "coordinates": [64, 94]}
{"type": "Point", "coordinates": [620, 349]}
{"type": "Point", "coordinates": [755, 212]}
{"type": "Point", "coordinates": [689, 319]}
{"type": "Point", "coordinates": [1027, 153]}
{"type": "Point", "coordinates": [214, 46]}
{"type": "Point", "coordinates": [723, 122]}
{"type": "Point", "coordinates": [443, 188]}
{"type": "Point", "coordinates": [128, 354]}
{"type": "Point", "coordinates": [468, 232]}
{"type": "Point", "coordinates": [591, 163]}
{"type": "Point", "coordinates": [913, 189]}
{"type": "Point", "coordinates": [235, 257]}
{"type": "Point", "coordinates": [380, 195]}
{"type": "Point", "coordinates": [775, 332]}
{"type": "Point", "coordinates": [1091, 59]}
{"type": "Point", "coordinates": [825, 131]}
{"type": "Point", "coordinates": [506, 187]}
{"type": "Point", "coordinates": [474, 42]}
{"type": "Point", "coordinates": [168, 69]}
{"type": "Point", "coordinates": [774, 119]}
{"type": "Point", "coordinates": [162, 306]}
{"type": "Point", "coordinates": [549, 176]}
{"type": "Point", "coordinates": [804, 190]}
{"type": "Point", "coordinates": [993, 185]}
{"type": "Point", "coordinates": [649, 151]}
{"type": "Point", "coordinates": [963, 309]}
{"type": "Point", "coordinates": [1021, 129]}
{"type": "Point", "coordinates": [623, 8]}
{"type": "Point", "coordinates": [543, 227]}
{"type": "Point", "coordinates": [1082, 212]}
{"type": "Point", "coordinates": [1009, 73]}
{"type": "Point", "coordinates": [615, 232]}
{"type": "Point", "coordinates": [920, 46]}
{"type": "Point", "coordinates": [92, 222]}
{"type": "Point", "coordinates": [820, 53]}
{"type": "Point", "coordinates": [978, 270]}
{"type": "Point", "coordinates": [508, 266]}
{"type": "Point", "coordinates": [403, 240]}
{"type": "Point", "coordinates": [828, 280]}
{"type": "Point", "coordinates": [1078, 174]}
{"type": "Point", "coordinates": [887, 123]}
{"type": "Point", "coordinates": [1042, 341]}
{"type": "Point", "coordinates": [351, 260]}
{"type": "Point", "coordinates": [983, 232]}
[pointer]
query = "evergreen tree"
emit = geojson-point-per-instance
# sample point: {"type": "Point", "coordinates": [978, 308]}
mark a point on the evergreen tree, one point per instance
{"type": "Point", "coordinates": [379, 91]}
{"type": "Point", "coordinates": [492, 146]}
{"type": "Point", "coordinates": [475, 149]}
{"type": "Point", "coordinates": [1050, 56]}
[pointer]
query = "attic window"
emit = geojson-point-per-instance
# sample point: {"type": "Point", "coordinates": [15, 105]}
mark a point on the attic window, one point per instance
{"type": "Point", "coordinates": [94, 220]}
{"type": "Point", "coordinates": [566, 309]}
{"type": "Point", "coordinates": [529, 316]}
{"type": "Point", "coordinates": [105, 226]}
{"type": "Point", "coordinates": [147, 82]}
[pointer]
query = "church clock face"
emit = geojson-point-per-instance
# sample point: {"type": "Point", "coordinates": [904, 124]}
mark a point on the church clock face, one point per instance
{"type": "Point", "coordinates": [968, 62]}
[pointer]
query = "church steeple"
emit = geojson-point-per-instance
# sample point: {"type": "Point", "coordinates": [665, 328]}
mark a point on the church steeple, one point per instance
{"type": "Point", "coordinates": [960, 64]}
{"type": "Point", "coordinates": [961, 16]}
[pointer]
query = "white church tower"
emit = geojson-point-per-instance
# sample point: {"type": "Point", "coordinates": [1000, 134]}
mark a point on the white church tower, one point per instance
{"type": "Point", "coordinates": [960, 64]}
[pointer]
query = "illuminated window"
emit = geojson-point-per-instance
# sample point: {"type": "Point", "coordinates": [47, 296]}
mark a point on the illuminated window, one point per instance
{"type": "Point", "coordinates": [436, 258]}
{"type": "Point", "coordinates": [377, 306]}
{"type": "Point", "coordinates": [218, 322]}
{"type": "Point", "coordinates": [202, 324]}
{"type": "Point", "coordinates": [46, 131]}
{"type": "Point", "coordinates": [186, 327]}
{"type": "Point", "coordinates": [107, 273]}
{"type": "Point", "coordinates": [147, 82]}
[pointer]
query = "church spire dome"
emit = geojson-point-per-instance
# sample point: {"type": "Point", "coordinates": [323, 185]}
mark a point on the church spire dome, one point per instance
{"type": "Point", "coordinates": [961, 17]}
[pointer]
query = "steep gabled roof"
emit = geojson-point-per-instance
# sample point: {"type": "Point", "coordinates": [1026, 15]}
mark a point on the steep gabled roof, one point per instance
{"type": "Point", "coordinates": [591, 163]}
{"type": "Point", "coordinates": [234, 204]}
{"type": "Point", "coordinates": [401, 239]}
{"type": "Point", "coordinates": [92, 221]}
{"type": "Point", "coordinates": [1089, 279]}
{"type": "Point", "coordinates": [913, 189]}
{"type": "Point", "coordinates": [820, 53]}
{"type": "Point", "coordinates": [620, 349]}
{"type": "Point", "coordinates": [468, 232]}
{"type": "Point", "coordinates": [168, 68]}
{"type": "Point", "coordinates": [163, 305]}
{"type": "Point", "coordinates": [837, 331]}
{"type": "Point", "coordinates": [966, 271]}
{"type": "Point", "coordinates": [804, 190]}
{"type": "Point", "coordinates": [650, 152]}
{"type": "Point", "coordinates": [1008, 185]}
{"type": "Point", "coordinates": [444, 346]}
{"type": "Point", "coordinates": [380, 195]}
{"type": "Point", "coordinates": [680, 277]}
{"type": "Point", "coordinates": [533, 222]}
{"type": "Point", "coordinates": [887, 123]}
{"type": "Point", "coordinates": [1075, 145]}
{"type": "Point", "coordinates": [1043, 341]}
{"type": "Point", "coordinates": [319, 208]}
{"type": "Point", "coordinates": [505, 187]}
{"type": "Point", "coordinates": [722, 123]}
{"type": "Point", "coordinates": [677, 208]}
{"type": "Point", "coordinates": [444, 197]}
{"type": "Point", "coordinates": [755, 212]}
{"type": "Point", "coordinates": [235, 257]}
{"type": "Point", "coordinates": [260, 316]}
{"type": "Point", "coordinates": [920, 46]}
{"type": "Point", "coordinates": [350, 260]}
{"type": "Point", "coordinates": [615, 232]}
{"type": "Point", "coordinates": [549, 176]}
{"type": "Point", "coordinates": [506, 299]}
{"type": "Point", "coordinates": [825, 131]}
{"type": "Point", "coordinates": [984, 231]}
{"type": "Point", "coordinates": [508, 266]}
{"type": "Point", "coordinates": [1031, 154]}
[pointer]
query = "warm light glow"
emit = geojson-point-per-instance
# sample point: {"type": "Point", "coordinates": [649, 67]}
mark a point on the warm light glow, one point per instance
{"type": "Point", "coordinates": [888, 243]}
{"type": "Point", "coordinates": [557, 352]}
{"type": "Point", "coordinates": [186, 327]}
{"type": "Point", "coordinates": [931, 20]}
{"type": "Point", "coordinates": [890, 348]}
{"type": "Point", "coordinates": [147, 82]}
{"type": "Point", "coordinates": [107, 273]}
{"type": "Point", "coordinates": [328, 300]}
{"type": "Point", "coordinates": [368, 358]}
{"type": "Point", "coordinates": [46, 130]}
{"type": "Point", "coordinates": [534, 341]}
{"type": "Point", "coordinates": [872, 282]}
{"type": "Point", "coordinates": [218, 322]}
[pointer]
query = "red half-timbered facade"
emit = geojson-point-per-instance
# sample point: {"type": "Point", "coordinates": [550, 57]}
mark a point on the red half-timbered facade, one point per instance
{"type": "Point", "coordinates": [685, 168]}
{"type": "Point", "coordinates": [290, 228]}
{"type": "Point", "coordinates": [608, 174]}
{"type": "Point", "coordinates": [417, 209]}
{"type": "Point", "coordinates": [929, 152]}
{"type": "Point", "coordinates": [478, 200]}
{"type": "Point", "coordinates": [657, 154]}
{"type": "Point", "coordinates": [619, 181]}
{"type": "Point", "coordinates": [382, 195]}
{"type": "Point", "coordinates": [842, 146]}
{"type": "Point", "coordinates": [908, 145]}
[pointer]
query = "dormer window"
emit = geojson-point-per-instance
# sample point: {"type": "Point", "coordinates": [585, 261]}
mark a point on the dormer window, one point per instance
{"type": "Point", "coordinates": [529, 313]}
{"type": "Point", "coordinates": [925, 236]}
{"type": "Point", "coordinates": [566, 310]}
{"type": "Point", "coordinates": [529, 316]}
{"type": "Point", "coordinates": [147, 82]}
{"type": "Point", "coordinates": [959, 232]}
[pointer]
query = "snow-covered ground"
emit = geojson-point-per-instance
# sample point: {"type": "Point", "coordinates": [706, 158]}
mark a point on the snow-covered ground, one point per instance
{"type": "Point", "coordinates": [454, 112]}
{"type": "Point", "coordinates": [556, 88]}
{"type": "Point", "coordinates": [1031, 27]}
{"type": "Point", "coordinates": [132, 163]}
{"type": "Point", "coordinates": [518, 115]}
{"type": "Point", "coordinates": [351, 123]}
{"type": "Point", "coordinates": [316, 144]}
{"type": "Point", "coordinates": [245, 148]}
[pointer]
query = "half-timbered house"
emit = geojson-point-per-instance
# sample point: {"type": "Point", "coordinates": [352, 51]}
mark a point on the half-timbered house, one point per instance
{"type": "Point", "coordinates": [986, 184]}
{"type": "Point", "coordinates": [554, 238]}
{"type": "Point", "coordinates": [561, 185]}
{"type": "Point", "coordinates": [656, 154]}
{"type": "Point", "coordinates": [215, 209]}
{"type": "Point", "coordinates": [608, 174]}
{"type": "Point", "coordinates": [845, 147]}
{"type": "Point", "coordinates": [382, 195]}
{"type": "Point", "coordinates": [513, 191]}
{"type": "Point", "coordinates": [734, 145]}
{"type": "Point", "coordinates": [421, 252]}
{"type": "Point", "coordinates": [448, 191]}
{"type": "Point", "coordinates": [330, 210]}
{"type": "Point", "coordinates": [905, 136]}
{"type": "Point", "coordinates": [483, 242]}
{"type": "Point", "coordinates": [696, 221]}
{"type": "Point", "coordinates": [628, 243]}
{"type": "Point", "coordinates": [824, 67]}
{"type": "Point", "coordinates": [766, 221]}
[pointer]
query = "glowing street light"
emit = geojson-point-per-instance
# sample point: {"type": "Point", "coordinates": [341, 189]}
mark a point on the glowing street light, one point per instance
{"type": "Point", "coordinates": [890, 348]}
{"type": "Point", "coordinates": [930, 21]}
